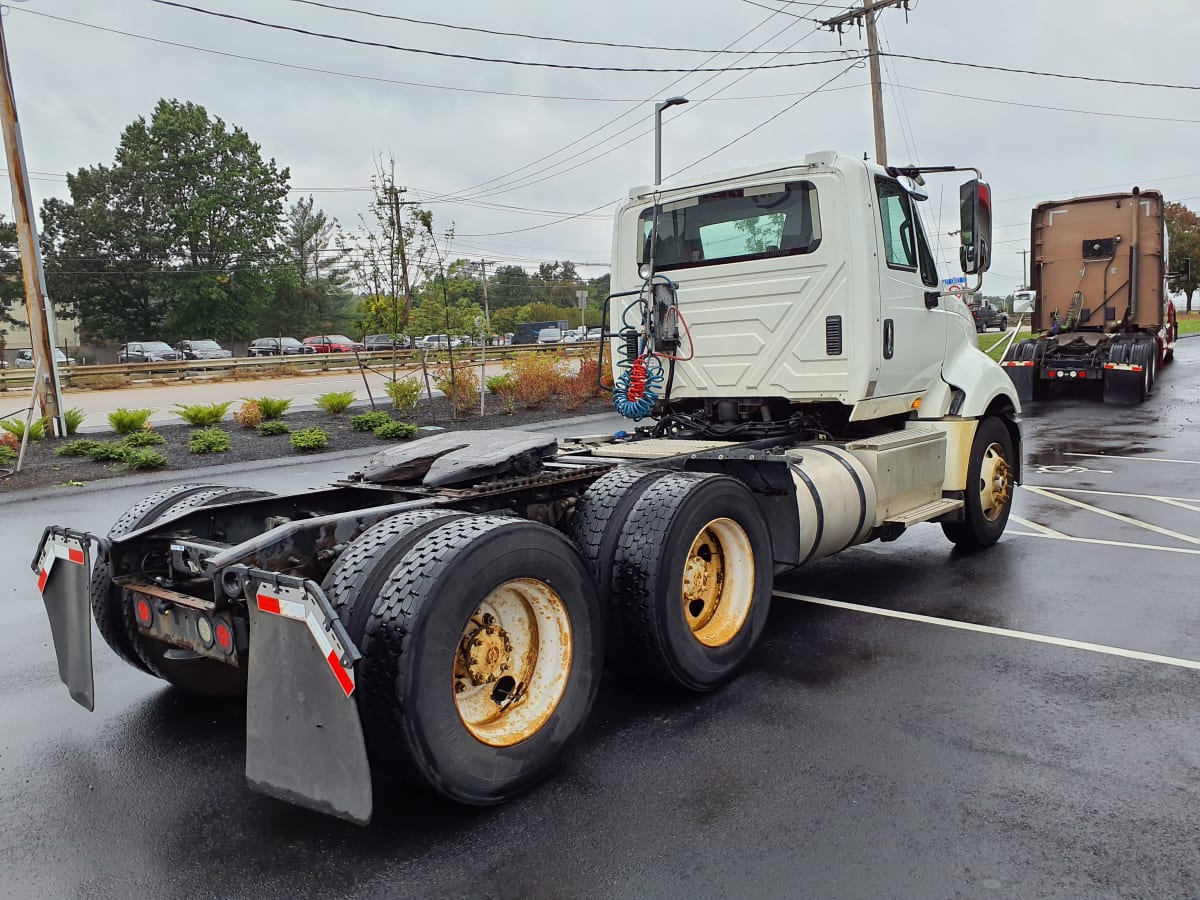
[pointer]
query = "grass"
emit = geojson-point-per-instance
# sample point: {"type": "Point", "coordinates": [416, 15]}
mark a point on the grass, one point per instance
{"type": "Point", "coordinates": [1189, 323]}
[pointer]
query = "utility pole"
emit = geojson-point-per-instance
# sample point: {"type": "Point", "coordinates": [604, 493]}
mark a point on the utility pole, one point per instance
{"type": "Point", "coordinates": [487, 315]}
{"type": "Point", "coordinates": [37, 305]}
{"type": "Point", "coordinates": [867, 16]}
{"type": "Point", "coordinates": [1024, 269]}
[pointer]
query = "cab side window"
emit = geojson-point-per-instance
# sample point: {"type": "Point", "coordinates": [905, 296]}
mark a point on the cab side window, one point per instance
{"type": "Point", "coordinates": [899, 233]}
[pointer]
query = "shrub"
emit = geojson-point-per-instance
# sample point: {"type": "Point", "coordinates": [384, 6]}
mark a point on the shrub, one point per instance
{"type": "Point", "coordinates": [404, 393]}
{"type": "Point", "coordinates": [249, 415]}
{"type": "Point", "coordinates": [336, 402]}
{"type": "Point", "coordinates": [9, 440]}
{"type": "Point", "coordinates": [577, 389]}
{"type": "Point", "coordinates": [505, 387]}
{"type": "Point", "coordinates": [109, 451]}
{"type": "Point", "coordinates": [144, 439]}
{"type": "Point", "coordinates": [538, 377]}
{"type": "Point", "coordinates": [7, 454]}
{"type": "Point", "coordinates": [101, 382]}
{"type": "Point", "coordinates": [127, 421]}
{"type": "Point", "coordinates": [209, 440]}
{"type": "Point", "coordinates": [310, 438]}
{"type": "Point", "coordinates": [462, 390]}
{"type": "Point", "coordinates": [16, 427]}
{"type": "Point", "coordinates": [272, 407]}
{"type": "Point", "coordinates": [203, 415]}
{"type": "Point", "coordinates": [144, 459]}
{"type": "Point", "coordinates": [369, 421]}
{"type": "Point", "coordinates": [390, 431]}
{"type": "Point", "coordinates": [274, 427]}
{"type": "Point", "coordinates": [74, 418]}
{"type": "Point", "coordinates": [78, 447]}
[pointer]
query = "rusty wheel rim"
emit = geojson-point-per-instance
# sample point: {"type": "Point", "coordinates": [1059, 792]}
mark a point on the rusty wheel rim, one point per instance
{"type": "Point", "coordinates": [995, 484]}
{"type": "Point", "coordinates": [718, 582]}
{"type": "Point", "coordinates": [512, 662]}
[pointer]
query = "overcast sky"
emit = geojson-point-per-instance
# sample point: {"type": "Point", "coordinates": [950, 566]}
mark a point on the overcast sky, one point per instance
{"type": "Point", "coordinates": [456, 130]}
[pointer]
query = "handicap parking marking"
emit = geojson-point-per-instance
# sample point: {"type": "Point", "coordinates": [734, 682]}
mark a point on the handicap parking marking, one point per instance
{"type": "Point", "coordinates": [999, 632]}
{"type": "Point", "coordinates": [1071, 470]}
{"type": "Point", "coordinates": [1054, 494]}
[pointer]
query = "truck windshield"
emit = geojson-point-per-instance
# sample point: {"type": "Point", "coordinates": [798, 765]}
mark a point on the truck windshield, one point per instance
{"type": "Point", "coordinates": [732, 226]}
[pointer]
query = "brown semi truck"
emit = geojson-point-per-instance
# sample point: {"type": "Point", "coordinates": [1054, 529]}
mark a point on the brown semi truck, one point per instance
{"type": "Point", "coordinates": [1101, 313]}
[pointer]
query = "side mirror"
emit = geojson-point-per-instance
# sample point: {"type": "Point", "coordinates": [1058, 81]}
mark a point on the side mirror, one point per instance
{"type": "Point", "coordinates": [1185, 270]}
{"type": "Point", "coordinates": [975, 227]}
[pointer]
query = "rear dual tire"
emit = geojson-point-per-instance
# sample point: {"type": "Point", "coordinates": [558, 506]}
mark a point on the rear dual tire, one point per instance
{"type": "Point", "coordinates": [482, 649]}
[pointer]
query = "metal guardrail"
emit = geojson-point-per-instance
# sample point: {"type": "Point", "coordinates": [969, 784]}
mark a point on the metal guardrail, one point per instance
{"type": "Point", "coordinates": [84, 377]}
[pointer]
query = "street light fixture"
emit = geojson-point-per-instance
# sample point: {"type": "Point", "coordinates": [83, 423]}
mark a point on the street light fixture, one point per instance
{"type": "Point", "coordinates": [658, 111]}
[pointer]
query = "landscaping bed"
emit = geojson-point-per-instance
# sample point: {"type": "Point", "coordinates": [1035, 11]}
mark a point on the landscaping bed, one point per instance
{"type": "Point", "coordinates": [43, 467]}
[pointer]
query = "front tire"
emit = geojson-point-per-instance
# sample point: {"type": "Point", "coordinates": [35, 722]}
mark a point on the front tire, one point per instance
{"type": "Point", "coordinates": [692, 580]}
{"type": "Point", "coordinates": [988, 497]}
{"type": "Point", "coordinates": [483, 657]}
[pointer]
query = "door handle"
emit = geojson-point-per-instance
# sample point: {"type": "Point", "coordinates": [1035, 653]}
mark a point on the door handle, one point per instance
{"type": "Point", "coordinates": [889, 338]}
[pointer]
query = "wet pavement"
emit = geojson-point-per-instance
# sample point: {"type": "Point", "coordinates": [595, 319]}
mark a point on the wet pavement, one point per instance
{"type": "Point", "coordinates": [860, 755]}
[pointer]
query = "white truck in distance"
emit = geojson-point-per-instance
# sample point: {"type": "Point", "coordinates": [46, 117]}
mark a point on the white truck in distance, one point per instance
{"type": "Point", "coordinates": [448, 609]}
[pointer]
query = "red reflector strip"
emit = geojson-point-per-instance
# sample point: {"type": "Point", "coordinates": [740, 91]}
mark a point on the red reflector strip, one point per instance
{"type": "Point", "coordinates": [43, 574]}
{"type": "Point", "coordinates": [268, 603]}
{"type": "Point", "coordinates": [1017, 362]}
{"type": "Point", "coordinates": [342, 676]}
{"type": "Point", "coordinates": [75, 555]}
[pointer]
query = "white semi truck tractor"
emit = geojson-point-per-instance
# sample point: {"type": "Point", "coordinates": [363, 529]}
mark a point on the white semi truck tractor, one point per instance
{"type": "Point", "coordinates": [803, 386]}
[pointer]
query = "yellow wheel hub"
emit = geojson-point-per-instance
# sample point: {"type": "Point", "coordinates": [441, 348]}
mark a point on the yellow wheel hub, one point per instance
{"type": "Point", "coordinates": [995, 482]}
{"type": "Point", "coordinates": [718, 582]}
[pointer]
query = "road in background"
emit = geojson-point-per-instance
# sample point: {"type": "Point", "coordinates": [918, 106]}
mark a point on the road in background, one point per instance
{"type": "Point", "coordinates": [938, 735]}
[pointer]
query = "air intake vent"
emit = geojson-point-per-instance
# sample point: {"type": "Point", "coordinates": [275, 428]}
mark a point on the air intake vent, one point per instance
{"type": "Point", "coordinates": [833, 335]}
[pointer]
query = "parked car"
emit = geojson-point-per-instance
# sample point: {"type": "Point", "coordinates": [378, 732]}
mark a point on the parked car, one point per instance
{"type": "Point", "coordinates": [571, 337]}
{"type": "Point", "coordinates": [148, 351]}
{"type": "Point", "coordinates": [25, 359]}
{"type": "Point", "coordinates": [593, 334]}
{"type": "Point", "coordinates": [386, 342]}
{"type": "Point", "coordinates": [332, 343]}
{"type": "Point", "coordinates": [203, 350]}
{"type": "Point", "coordinates": [278, 346]}
{"type": "Point", "coordinates": [550, 336]}
{"type": "Point", "coordinates": [438, 342]}
{"type": "Point", "coordinates": [987, 316]}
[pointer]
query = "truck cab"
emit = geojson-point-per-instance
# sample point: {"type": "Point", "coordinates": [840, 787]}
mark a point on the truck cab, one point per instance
{"type": "Point", "coordinates": [811, 283]}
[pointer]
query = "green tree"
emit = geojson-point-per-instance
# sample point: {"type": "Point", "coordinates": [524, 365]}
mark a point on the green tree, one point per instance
{"type": "Point", "coordinates": [1183, 236]}
{"type": "Point", "coordinates": [509, 287]}
{"type": "Point", "coordinates": [309, 282]}
{"type": "Point", "coordinates": [172, 238]}
{"type": "Point", "coordinates": [12, 291]}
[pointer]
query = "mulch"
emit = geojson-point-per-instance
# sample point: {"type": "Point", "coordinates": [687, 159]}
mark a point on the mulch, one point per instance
{"type": "Point", "coordinates": [43, 468]}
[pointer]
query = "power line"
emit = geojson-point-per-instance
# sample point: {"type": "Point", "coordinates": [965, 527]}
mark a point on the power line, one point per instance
{"type": "Point", "coordinates": [540, 37]}
{"type": "Point", "coordinates": [359, 76]}
{"type": "Point", "coordinates": [1010, 70]}
{"type": "Point", "coordinates": [774, 9]}
{"type": "Point", "coordinates": [1041, 106]}
{"type": "Point", "coordinates": [471, 58]}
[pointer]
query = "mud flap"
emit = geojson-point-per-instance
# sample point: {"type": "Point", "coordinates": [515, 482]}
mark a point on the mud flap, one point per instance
{"type": "Point", "coordinates": [63, 567]}
{"type": "Point", "coordinates": [1021, 376]}
{"type": "Point", "coordinates": [304, 738]}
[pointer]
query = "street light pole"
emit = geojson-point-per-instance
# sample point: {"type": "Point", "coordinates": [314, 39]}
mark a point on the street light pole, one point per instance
{"type": "Point", "coordinates": [658, 111]}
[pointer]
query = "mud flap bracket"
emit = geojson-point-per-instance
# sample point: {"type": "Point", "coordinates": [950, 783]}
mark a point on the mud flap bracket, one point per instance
{"type": "Point", "coordinates": [304, 737]}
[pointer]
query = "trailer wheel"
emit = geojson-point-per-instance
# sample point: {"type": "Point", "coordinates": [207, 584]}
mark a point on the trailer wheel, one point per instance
{"type": "Point", "coordinates": [203, 677]}
{"type": "Point", "coordinates": [483, 657]}
{"type": "Point", "coordinates": [988, 498]}
{"type": "Point", "coordinates": [596, 528]}
{"type": "Point", "coordinates": [114, 619]}
{"type": "Point", "coordinates": [692, 580]}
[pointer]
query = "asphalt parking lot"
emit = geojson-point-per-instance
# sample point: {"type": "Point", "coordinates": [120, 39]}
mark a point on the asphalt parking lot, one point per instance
{"type": "Point", "coordinates": [916, 723]}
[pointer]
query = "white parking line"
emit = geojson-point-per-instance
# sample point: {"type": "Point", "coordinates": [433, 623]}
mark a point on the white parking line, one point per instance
{"type": "Point", "coordinates": [1047, 532]}
{"type": "Point", "coordinates": [1054, 536]}
{"type": "Point", "coordinates": [1181, 502]}
{"type": "Point", "coordinates": [1128, 520]}
{"type": "Point", "coordinates": [1158, 459]}
{"type": "Point", "coordinates": [999, 632]}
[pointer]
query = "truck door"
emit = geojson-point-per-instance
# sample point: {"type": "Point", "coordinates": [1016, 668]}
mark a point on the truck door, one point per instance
{"type": "Point", "coordinates": [912, 338]}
